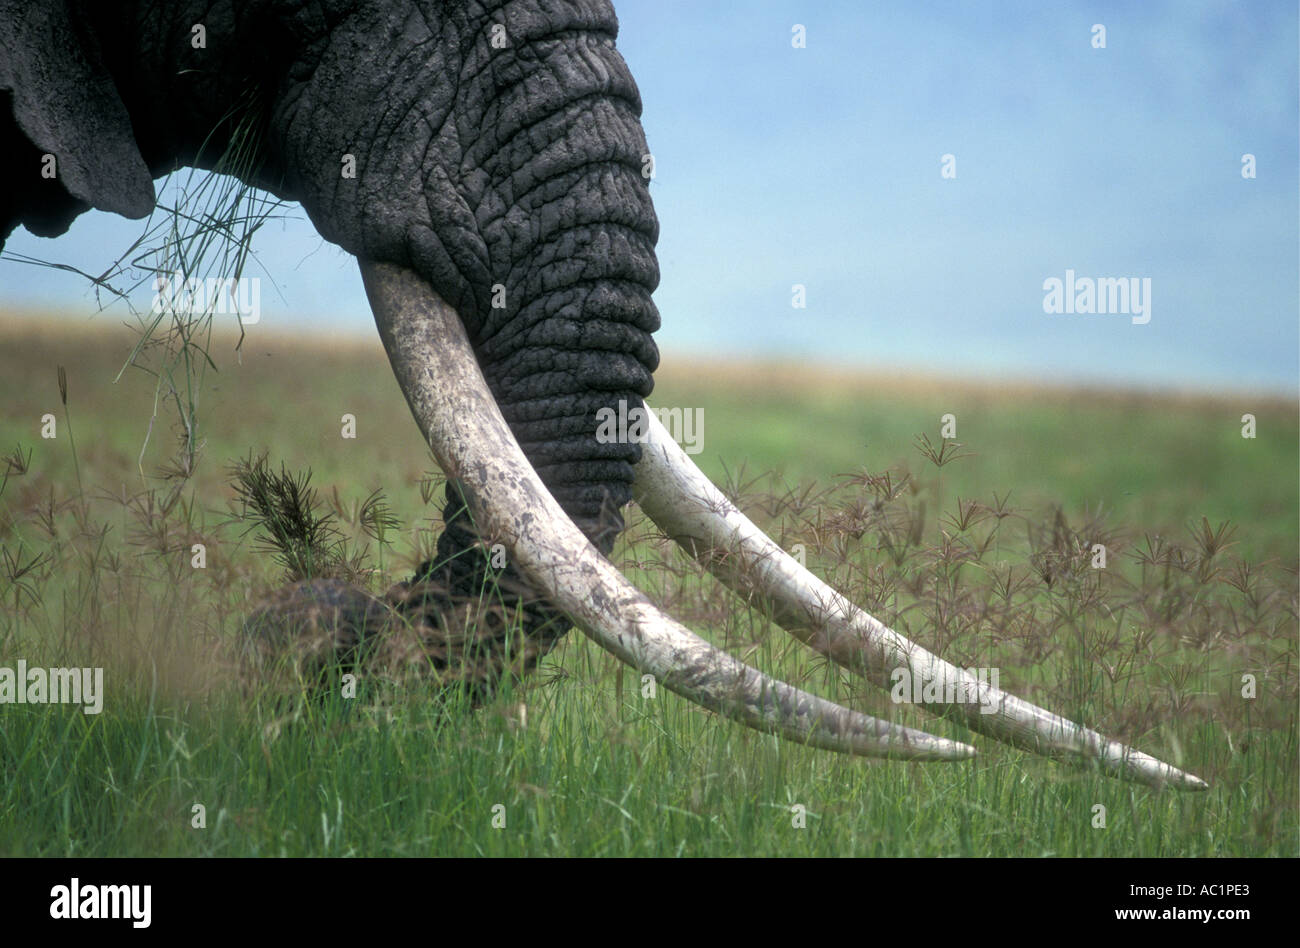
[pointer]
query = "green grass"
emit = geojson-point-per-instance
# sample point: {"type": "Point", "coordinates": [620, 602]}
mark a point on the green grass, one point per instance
{"type": "Point", "coordinates": [96, 570]}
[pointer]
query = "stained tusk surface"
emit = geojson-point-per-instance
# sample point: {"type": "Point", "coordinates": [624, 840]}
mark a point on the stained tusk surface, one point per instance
{"type": "Point", "coordinates": [439, 374]}
{"type": "Point", "coordinates": [686, 505]}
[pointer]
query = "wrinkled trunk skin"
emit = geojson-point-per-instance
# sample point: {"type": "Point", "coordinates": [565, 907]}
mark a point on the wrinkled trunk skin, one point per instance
{"type": "Point", "coordinates": [528, 212]}
{"type": "Point", "coordinates": [563, 211]}
{"type": "Point", "coordinates": [511, 179]}
{"type": "Point", "coordinates": [509, 175]}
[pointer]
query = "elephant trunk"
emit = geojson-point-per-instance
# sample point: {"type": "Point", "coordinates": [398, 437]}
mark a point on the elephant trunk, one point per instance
{"type": "Point", "coordinates": [561, 317]}
{"type": "Point", "coordinates": [563, 328]}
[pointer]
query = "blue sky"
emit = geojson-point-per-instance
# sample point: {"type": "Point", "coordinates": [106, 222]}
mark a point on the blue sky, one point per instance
{"type": "Point", "coordinates": [821, 166]}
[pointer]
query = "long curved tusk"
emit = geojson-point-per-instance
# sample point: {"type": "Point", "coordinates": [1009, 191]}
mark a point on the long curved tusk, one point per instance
{"type": "Point", "coordinates": [690, 509]}
{"type": "Point", "coordinates": [439, 374]}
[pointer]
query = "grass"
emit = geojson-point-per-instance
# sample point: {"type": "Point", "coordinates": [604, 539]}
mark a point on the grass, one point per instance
{"type": "Point", "coordinates": [97, 569]}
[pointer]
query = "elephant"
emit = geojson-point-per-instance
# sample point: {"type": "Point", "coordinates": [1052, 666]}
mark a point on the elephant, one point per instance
{"type": "Point", "coordinates": [498, 154]}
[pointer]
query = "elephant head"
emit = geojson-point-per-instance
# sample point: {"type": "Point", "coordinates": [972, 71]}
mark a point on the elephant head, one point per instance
{"type": "Point", "coordinates": [506, 236]}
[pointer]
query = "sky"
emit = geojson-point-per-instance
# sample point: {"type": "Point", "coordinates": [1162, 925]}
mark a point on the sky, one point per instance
{"type": "Point", "coordinates": [823, 166]}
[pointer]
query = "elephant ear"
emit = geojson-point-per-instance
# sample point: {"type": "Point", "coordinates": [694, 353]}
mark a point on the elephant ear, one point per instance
{"type": "Point", "coordinates": [56, 98]}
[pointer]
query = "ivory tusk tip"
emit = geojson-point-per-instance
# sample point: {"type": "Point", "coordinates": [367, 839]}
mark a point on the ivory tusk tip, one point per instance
{"type": "Point", "coordinates": [1185, 781]}
{"type": "Point", "coordinates": [1156, 773]}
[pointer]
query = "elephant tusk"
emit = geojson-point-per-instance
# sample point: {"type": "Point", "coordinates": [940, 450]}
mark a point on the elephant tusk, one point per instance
{"type": "Point", "coordinates": [690, 509]}
{"type": "Point", "coordinates": [449, 397]}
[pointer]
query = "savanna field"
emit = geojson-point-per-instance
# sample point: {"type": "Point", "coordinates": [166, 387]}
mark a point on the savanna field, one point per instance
{"type": "Point", "coordinates": [981, 547]}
